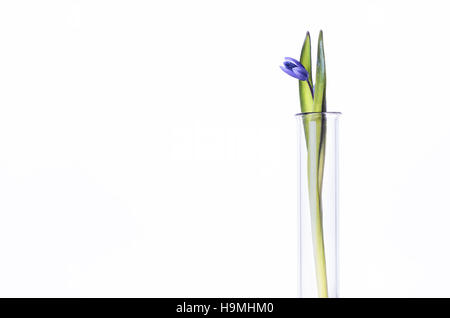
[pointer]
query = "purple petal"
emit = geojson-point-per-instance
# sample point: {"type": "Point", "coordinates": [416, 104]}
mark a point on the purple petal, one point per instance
{"type": "Point", "coordinates": [289, 65]}
{"type": "Point", "coordinates": [297, 63]}
{"type": "Point", "coordinates": [300, 73]}
{"type": "Point", "coordinates": [296, 72]}
{"type": "Point", "coordinates": [287, 71]}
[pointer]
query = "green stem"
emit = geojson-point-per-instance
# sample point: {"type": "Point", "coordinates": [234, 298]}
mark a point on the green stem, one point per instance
{"type": "Point", "coordinates": [315, 128]}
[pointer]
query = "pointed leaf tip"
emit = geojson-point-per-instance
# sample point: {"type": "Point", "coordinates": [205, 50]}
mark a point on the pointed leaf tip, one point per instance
{"type": "Point", "coordinates": [320, 88]}
{"type": "Point", "coordinates": [306, 97]}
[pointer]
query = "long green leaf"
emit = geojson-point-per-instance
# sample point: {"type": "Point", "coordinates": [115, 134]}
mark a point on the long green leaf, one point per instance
{"type": "Point", "coordinates": [306, 97]}
{"type": "Point", "coordinates": [321, 79]}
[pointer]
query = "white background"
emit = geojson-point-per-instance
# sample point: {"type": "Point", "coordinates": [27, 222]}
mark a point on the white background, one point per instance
{"type": "Point", "coordinates": [148, 148]}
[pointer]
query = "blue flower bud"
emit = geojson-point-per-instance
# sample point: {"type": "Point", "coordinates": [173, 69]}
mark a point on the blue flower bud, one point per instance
{"type": "Point", "coordinates": [295, 69]}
